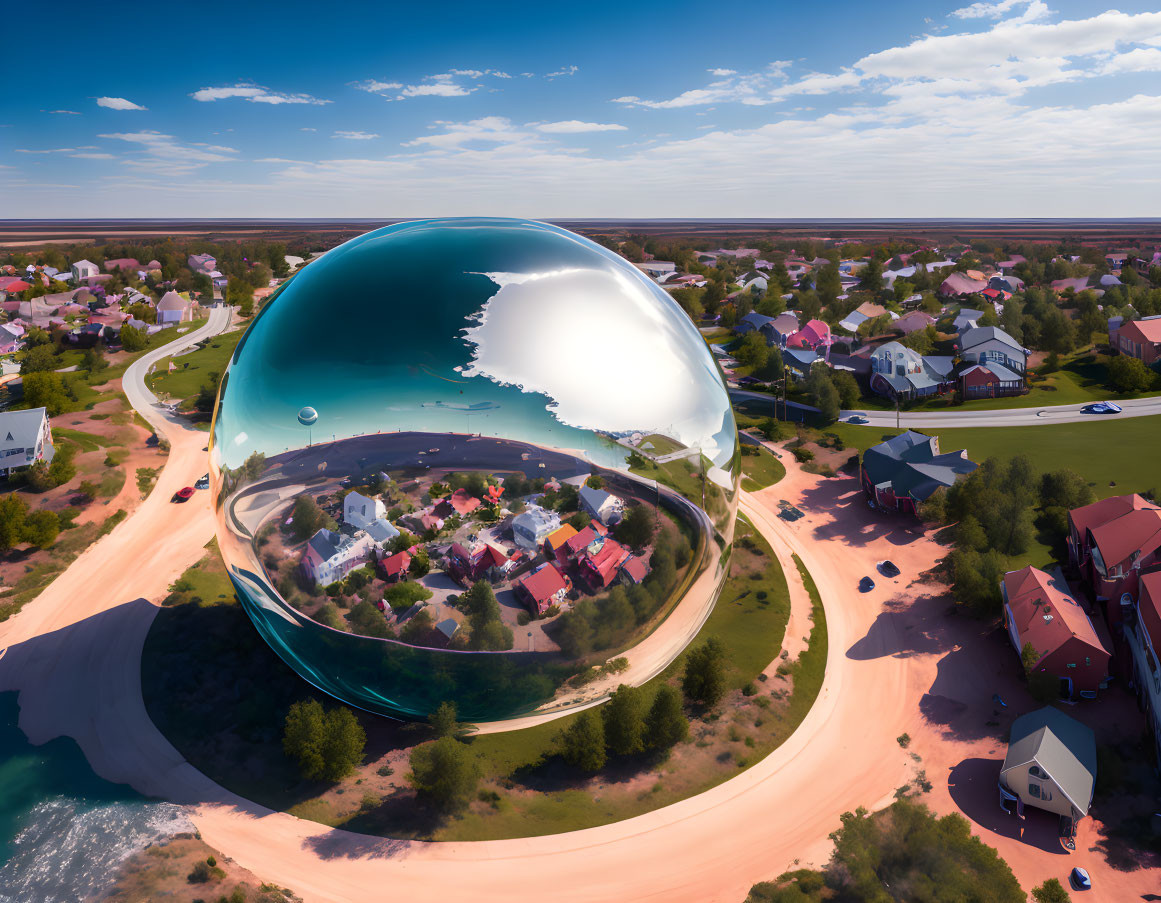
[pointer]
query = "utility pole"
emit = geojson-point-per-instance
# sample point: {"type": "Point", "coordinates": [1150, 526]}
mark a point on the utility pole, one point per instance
{"type": "Point", "coordinates": [897, 411]}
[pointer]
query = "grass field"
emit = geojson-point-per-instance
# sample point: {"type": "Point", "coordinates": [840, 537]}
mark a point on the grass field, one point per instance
{"type": "Point", "coordinates": [761, 470]}
{"type": "Point", "coordinates": [193, 370]}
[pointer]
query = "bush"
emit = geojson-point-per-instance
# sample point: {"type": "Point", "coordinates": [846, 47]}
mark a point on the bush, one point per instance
{"type": "Point", "coordinates": [327, 745]}
{"type": "Point", "coordinates": [445, 772]}
{"type": "Point", "coordinates": [704, 680]}
{"type": "Point", "coordinates": [1051, 891]}
{"type": "Point", "coordinates": [582, 743]}
{"type": "Point", "coordinates": [802, 454]}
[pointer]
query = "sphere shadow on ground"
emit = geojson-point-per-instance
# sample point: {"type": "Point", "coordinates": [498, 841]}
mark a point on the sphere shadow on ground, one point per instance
{"type": "Point", "coordinates": [840, 501]}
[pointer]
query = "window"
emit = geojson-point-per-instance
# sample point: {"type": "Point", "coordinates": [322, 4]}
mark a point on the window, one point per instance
{"type": "Point", "coordinates": [1037, 772]}
{"type": "Point", "coordinates": [1034, 791]}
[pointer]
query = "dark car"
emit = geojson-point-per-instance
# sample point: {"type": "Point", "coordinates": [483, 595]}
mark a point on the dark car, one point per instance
{"type": "Point", "coordinates": [1102, 407]}
{"type": "Point", "coordinates": [857, 418]}
{"type": "Point", "coordinates": [1079, 879]}
{"type": "Point", "coordinates": [866, 585]}
{"type": "Point", "coordinates": [203, 483]}
{"type": "Point", "coordinates": [888, 569]}
{"type": "Point", "coordinates": [183, 495]}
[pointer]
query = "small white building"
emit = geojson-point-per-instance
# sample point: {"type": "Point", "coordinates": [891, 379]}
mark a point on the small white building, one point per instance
{"type": "Point", "coordinates": [173, 308]}
{"type": "Point", "coordinates": [330, 556]}
{"type": "Point", "coordinates": [83, 269]}
{"type": "Point", "coordinates": [25, 438]}
{"type": "Point", "coordinates": [604, 506]}
{"type": "Point", "coordinates": [369, 515]}
{"type": "Point", "coordinates": [533, 525]}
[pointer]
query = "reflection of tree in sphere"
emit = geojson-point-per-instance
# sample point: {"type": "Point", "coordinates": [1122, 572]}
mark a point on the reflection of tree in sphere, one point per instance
{"type": "Point", "coordinates": [529, 463]}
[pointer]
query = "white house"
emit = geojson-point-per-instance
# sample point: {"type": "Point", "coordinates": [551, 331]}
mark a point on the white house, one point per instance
{"type": "Point", "coordinates": [83, 269]}
{"type": "Point", "coordinates": [359, 511]}
{"type": "Point", "coordinates": [606, 508]}
{"type": "Point", "coordinates": [533, 525]}
{"type": "Point", "coordinates": [1051, 764]}
{"type": "Point", "coordinates": [173, 308]}
{"type": "Point", "coordinates": [25, 438]}
{"type": "Point", "coordinates": [657, 268]}
{"type": "Point", "coordinates": [330, 556]}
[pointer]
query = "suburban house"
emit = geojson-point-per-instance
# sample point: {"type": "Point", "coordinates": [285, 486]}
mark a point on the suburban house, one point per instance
{"type": "Point", "coordinates": [1140, 339]}
{"type": "Point", "coordinates": [1078, 284]}
{"type": "Point", "coordinates": [543, 588]}
{"type": "Point", "coordinates": [555, 541]}
{"type": "Point", "coordinates": [813, 335]}
{"type": "Point", "coordinates": [775, 329]}
{"type": "Point", "coordinates": [603, 506]}
{"type": "Point", "coordinates": [913, 322]}
{"type": "Point", "coordinates": [482, 561]}
{"type": "Point", "coordinates": [957, 285]}
{"type": "Point", "coordinates": [1051, 764]}
{"type": "Point", "coordinates": [901, 372]}
{"type": "Point", "coordinates": [202, 263]}
{"type": "Point", "coordinates": [601, 564]}
{"type": "Point", "coordinates": [1001, 359]}
{"type": "Point", "coordinates": [798, 361]}
{"type": "Point", "coordinates": [460, 502]}
{"type": "Point", "coordinates": [1039, 612]}
{"type": "Point", "coordinates": [966, 318]}
{"type": "Point", "coordinates": [11, 338]}
{"type": "Point", "coordinates": [902, 472]}
{"type": "Point", "coordinates": [370, 515]}
{"type": "Point", "coordinates": [173, 308]}
{"type": "Point", "coordinates": [394, 567]}
{"type": "Point", "coordinates": [868, 310]}
{"type": "Point", "coordinates": [121, 263]}
{"type": "Point", "coordinates": [1007, 283]}
{"type": "Point", "coordinates": [25, 438]}
{"type": "Point", "coordinates": [532, 526]}
{"type": "Point", "coordinates": [331, 556]}
{"type": "Point", "coordinates": [1142, 635]}
{"type": "Point", "coordinates": [84, 269]}
{"type": "Point", "coordinates": [1112, 543]}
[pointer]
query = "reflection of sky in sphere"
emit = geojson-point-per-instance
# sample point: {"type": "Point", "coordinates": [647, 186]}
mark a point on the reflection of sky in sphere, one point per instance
{"type": "Point", "coordinates": [500, 327]}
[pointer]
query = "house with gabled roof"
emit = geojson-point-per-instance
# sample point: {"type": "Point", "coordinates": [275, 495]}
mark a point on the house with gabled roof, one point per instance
{"type": "Point", "coordinates": [1051, 764]}
{"type": "Point", "coordinates": [330, 556]}
{"type": "Point", "coordinates": [543, 588]}
{"type": "Point", "coordinates": [25, 438]}
{"type": "Point", "coordinates": [1040, 612]}
{"type": "Point", "coordinates": [604, 506]}
{"type": "Point", "coordinates": [1112, 543]}
{"type": "Point", "coordinates": [905, 470]}
{"type": "Point", "coordinates": [1140, 339]}
{"type": "Point", "coordinates": [1141, 618]}
{"type": "Point", "coordinates": [84, 269]}
{"type": "Point", "coordinates": [958, 285]}
{"type": "Point", "coordinates": [992, 363]}
{"type": "Point", "coordinates": [533, 526]}
{"type": "Point", "coordinates": [901, 372]}
{"type": "Point", "coordinates": [173, 308]}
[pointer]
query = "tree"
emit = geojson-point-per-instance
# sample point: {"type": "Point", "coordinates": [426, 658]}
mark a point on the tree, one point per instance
{"type": "Point", "coordinates": [773, 367]}
{"type": "Point", "coordinates": [445, 772]}
{"type": "Point", "coordinates": [45, 390]}
{"type": "Point", "coordinates": [132, 338]}
{"type": "Point", "coordinates": [63, 467]}
{"type": "Point", "coordinates": [41, 528]}
{"type": "Point", "coordinates": [207, 395]}
{"type": "Point", "coordinates": [624, 717]}
{"type": "Point", "coordinates": [1065, 489]}
{"type": "Point", "coordinates": [13, 511]}
{"type": "Point", "coordinates": [39, 359]}
{"type": "Point", "coordinates": [93, 360]}
{"type": "Point", "coordinates": [307, 518]}
{"type": "Point", "coordinates": [1051, 891]}
{"type": "Point", "coordinates": [443, 720]}
{"type": "Point", "coordinates": [327, 745]}
{"type": "Point", "coordinates": [420, 563]}
{"type": "Point", "coordinates": [666, 724]}
{"type": "Point", "coordinates": [847, 387]}
{"type": "Point", "coordinates": [417, 628]}
{"type": "Point", "coordinates": [1126, 375]}
{"type": "Point", "coordinates": [405, 594]}
{"type": "Point", "coordinates": [367, 620]}
{"type": "Point", "coordinates": [636, 528]}
{"type": "Point", "coordinates": [704, 680]}
{"type": "Point", "coordinates": [823, 394]}
{"type": "Point", "coordinates": [752, 351]}
{"type": "Point", "coordinates": [582, 743]}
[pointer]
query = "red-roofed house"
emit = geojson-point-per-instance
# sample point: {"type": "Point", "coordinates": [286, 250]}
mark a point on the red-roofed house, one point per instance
{"type": "Point", "coordinates": [460, 502]}
{"type": "Point", "coordinates": [958, 285]}
{"type": "Point", "coordinates": [10, 285]}
{"type": "Point", "coordinates": [1143, 639]}
{"type": "Point", "coordinates": [600, 566]}
{"type": "Point", "coordinates": [1038, 611]}
{"type": "Point", "coordinates": [813, 335]}
{"type": "Point", "coordinates": [482, 562]}
{"type": "Point", "coordinates": [634, 571]}
{"type": "Point", "coordinates": [394, 567]}
{"type": "Point", "coordinates": [543, 588]}
{"type": "Point", "coordinates": [575, 546]}
{"type": "Point", "coordinates": [1141, 339]}
{"type": "Point", "coordinates": [1112, 542]}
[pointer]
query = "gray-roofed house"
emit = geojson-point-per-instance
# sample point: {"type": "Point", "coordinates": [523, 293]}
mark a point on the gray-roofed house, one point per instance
{"type": "Point", "coordinates": [966, 318]}
{"type": "Point", "coordinates": [798, 361]}
{"type": "Point", "coordinates": [533, 525]}
{"type": "Point", "coordinates": [1007, 283]}
{"type": "Point", "coordinates": [992, 348]}
{"type": "Point", "coordinates": [1051, 764]}
{"type": "Point", "coordinates": [84, 269]}
{"type": "Point", "coordinates": [913, 322]}
{"type": "Point", "coordinates": [330, 556]}
{"type": "Point", "coordinates": [903, 471]}
{"type": "Point", "coordinates": [25, 438]}
{"type": "Point", "coordinates": [754, 321]}
{"type": "Point", "coordinates": [901, 372]}
{"type": "Point", "coordinates": [604, 506]}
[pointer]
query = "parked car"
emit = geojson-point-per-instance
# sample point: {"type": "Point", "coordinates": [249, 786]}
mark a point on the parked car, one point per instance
{"type": "Point", "coordinates": [203, 483]}
{"type": "Point", "coordinates": [1102, 407]}
{"type": "Point", "coordinates": [866, 585]}
{"type": "Point", "coordinates": [1079, 879]}
{"type": "Point", "coordinates": [857, 418]}
{"type": "Point", "coordinates": [888, 569]}
{"type": "Point", "coordinates": [183, 495]}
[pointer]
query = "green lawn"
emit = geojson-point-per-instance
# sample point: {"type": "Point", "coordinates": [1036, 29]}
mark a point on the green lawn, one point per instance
{"type": "Point", "coordinates": [86, 442]}
{"type": "Point", "coordinates": [761, 470]}
{"type": "Point", "coordinates": [194, 369]}
{"type": "Point", "coordinates": [1116, 456]}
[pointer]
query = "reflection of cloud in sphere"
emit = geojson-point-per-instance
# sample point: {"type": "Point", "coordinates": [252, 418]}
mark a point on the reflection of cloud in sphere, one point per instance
{"type": "Point", "coordinates": [494, 360]}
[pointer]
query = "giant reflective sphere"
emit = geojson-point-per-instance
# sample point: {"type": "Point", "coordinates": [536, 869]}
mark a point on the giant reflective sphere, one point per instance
{"type": "Point", "coordinates": [473, 460]}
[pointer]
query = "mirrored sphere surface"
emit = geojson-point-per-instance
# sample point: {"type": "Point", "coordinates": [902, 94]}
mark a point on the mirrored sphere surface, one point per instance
{"type": "Point", "coordinates": [471, 460]}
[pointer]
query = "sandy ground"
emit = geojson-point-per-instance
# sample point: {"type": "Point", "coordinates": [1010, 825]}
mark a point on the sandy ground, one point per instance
{"type": "Point", "coordinates": [893, 665]}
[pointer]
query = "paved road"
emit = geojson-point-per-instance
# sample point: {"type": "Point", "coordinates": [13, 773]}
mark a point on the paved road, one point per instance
{"type": "Point", "coordinates": [133, 384]}
{"type": "Point", "coordinates": [1063, 413]}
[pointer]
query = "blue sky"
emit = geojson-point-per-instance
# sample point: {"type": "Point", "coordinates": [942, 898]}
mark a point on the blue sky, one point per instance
{"type": "Point", "coordinates": [555, 110]}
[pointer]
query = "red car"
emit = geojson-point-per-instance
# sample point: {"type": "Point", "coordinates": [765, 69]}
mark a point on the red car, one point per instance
{"type": "Point", "coordinates": [183, 495]}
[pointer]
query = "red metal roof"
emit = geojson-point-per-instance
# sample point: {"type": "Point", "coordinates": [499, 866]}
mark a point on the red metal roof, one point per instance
{"type": "Point", "coordinates": [544, 583]}
{"type": "Point", "coordinates": [1150, 605]}
{"type": "Point", "coordinates": [1137, 531]}
{"type": "Point", "coordinates": [394, 565]}
{"type": "Point", "coordinates": [1034, 596]}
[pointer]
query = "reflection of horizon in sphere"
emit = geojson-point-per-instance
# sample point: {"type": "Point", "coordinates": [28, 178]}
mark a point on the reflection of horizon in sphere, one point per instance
{"type": "Point", "coordinates": [307, 416]}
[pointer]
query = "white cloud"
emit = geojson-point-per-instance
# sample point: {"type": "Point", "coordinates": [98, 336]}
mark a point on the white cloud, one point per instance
{"type": "Point", "coordinates": [118, 103]}
{"type": "Point", "coordinates": [93, 156]}
{"type": "Point", "coordinates": [165, 155]}
{"type": "Point", "coordinates": [355, 136]}
{"type": "Point", "coordinates": [1140, 60]}
{"type": "Point", "coordinates": [453, 83]}
{"type": "Point", "coordinates": [564, 70]}
{"type": "Point", "coordinates": [307, 128]}
{"type": "Point", "coordinates": [575, 126]}
{"type": "Point", "coordinates": [62, 112]}
{"type": "Point", "coordinates": [253, 94]}
{"type": "Point", "coordinates": [488, 130]}
{"type": "Point", "coordinates": [1036, 9]}
{"type": "Point", "coordinates": [721, 73]}
{"type": "Point", "coordinates": [437, 89]}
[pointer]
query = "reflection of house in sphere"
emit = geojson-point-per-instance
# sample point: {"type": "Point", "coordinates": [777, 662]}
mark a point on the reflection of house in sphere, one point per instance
{"type": "Point", "coordinates": [519, 461]}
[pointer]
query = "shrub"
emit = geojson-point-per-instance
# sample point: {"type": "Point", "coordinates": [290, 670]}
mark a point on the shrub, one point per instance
{"type": "Point", "coordinates": [802, 454]}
